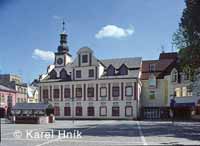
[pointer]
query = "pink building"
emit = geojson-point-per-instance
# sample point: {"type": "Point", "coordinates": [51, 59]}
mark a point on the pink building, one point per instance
{"type": "Point", "coordinates": [7, 100]}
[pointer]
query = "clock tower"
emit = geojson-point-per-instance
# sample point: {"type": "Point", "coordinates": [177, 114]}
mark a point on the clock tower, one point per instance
{"type": "Point", "coordinates": [62, 56]}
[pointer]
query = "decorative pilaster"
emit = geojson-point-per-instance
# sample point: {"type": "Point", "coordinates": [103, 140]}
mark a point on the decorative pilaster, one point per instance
{"type": "Point", "coordinates": [135, 91]}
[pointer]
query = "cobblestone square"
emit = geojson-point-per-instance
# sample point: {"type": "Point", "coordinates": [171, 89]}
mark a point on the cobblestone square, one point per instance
{"type": "Point", "coordinates": [104, 133]}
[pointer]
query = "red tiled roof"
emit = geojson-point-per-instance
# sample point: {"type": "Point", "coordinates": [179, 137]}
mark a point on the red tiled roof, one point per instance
{"type": "Point", "coordinates": [161, 67]}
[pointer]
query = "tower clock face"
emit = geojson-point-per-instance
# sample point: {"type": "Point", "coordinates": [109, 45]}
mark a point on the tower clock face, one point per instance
{"type": "Point", "coordinates": [59, 61]}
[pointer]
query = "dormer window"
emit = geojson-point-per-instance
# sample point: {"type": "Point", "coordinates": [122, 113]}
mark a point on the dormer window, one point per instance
{"type": "Point", "coordinates": [123, 70]}
{"type": "Point", "coordinates": [152, 67]}
{"type": "Point", "coordinates": [84, 58]}
{"type": "Point", "coordinates": [53, 74]}
{"type": "Point", "coordinates": [64, 75]}
{"type": "Point", "coordinates": [111, 71]}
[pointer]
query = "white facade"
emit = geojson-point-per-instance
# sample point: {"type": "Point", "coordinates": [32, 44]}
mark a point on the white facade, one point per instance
{"type": "Point", "coordinates": [89, 88]}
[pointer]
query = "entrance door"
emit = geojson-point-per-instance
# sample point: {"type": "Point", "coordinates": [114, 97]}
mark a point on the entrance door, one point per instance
{"type": "Point", "coordinates": [151, 113]}
{"type": "Point", "coordinates": [2, 112]}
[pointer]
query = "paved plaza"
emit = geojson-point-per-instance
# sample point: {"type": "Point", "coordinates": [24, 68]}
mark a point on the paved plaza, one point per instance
{"type": "Point", "coordinates": [101, 133]}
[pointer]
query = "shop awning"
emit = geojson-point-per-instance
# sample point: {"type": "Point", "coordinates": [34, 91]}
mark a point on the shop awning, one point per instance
{"type": "Point", "coordinates": [31, 106]}
{"type": "Point", "coordinates": [191, 104]}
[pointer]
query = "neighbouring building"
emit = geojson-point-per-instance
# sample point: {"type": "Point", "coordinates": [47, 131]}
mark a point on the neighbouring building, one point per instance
{"type": "Point", "coordinates": [89, 88]}
{"type": "Point", "coordinates": [33, 95]}
{"type": "Point", "coordinates": [186, 98]}
{"type": "Point", "coordinates": [162, 81]}
{"type": "Point", "coordinates": [7, 100]}
{"type": "Point", "coordinates": [15, 82]}
{"type": "Point", "coordinates": [196, 92]}
{"type": "Point", "coordinates": [157, 85]}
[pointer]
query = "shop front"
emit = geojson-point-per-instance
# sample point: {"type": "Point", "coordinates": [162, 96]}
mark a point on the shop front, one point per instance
{"type": "Point", "coordinates": [32, 113]}
{"type": "Point", "coordinates": [184, 111]}
{"type": "Point", "coordinates": [152, 113]}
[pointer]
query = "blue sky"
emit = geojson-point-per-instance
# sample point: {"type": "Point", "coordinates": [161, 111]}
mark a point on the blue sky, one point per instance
{"type": "Point", "coordinates": [112, 28]}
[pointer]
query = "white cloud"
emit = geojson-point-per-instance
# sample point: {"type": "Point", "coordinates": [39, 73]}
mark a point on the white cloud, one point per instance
{"type": "Point", "coordinates": [43, 55]}
{"type": "Point", "coordinates": [57, 17]}
{"type": "Point", "coordinates": [113, 31]}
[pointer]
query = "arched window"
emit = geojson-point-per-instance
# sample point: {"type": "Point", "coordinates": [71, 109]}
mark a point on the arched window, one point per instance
{"type": "Point", "coordinates": [123, 70]}
{"type": "Point", "coordinates": [53, 74]}
{"type": "Point", "coordinates": [174, 76]}
{"type": "Point", "coordinates": [64, 75]}
{"type": "Point", "coordinates": [110, 71]}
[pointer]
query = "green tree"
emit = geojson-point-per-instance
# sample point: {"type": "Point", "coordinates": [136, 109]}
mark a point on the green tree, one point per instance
{"type": "Point", "coordinates": [187, 37]}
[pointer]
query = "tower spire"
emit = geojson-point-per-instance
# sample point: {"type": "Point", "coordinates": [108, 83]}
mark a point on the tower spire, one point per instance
{"type": "Point", "coordinates": [63, 40]}
{"type": "Point", "coordinates": [63, 26]}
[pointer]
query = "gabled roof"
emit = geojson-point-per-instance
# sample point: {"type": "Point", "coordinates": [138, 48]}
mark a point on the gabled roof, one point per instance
{"type": "Point", "coordinates": [134, 62]}
{"type": "Point", "coordinates": [162, 67]}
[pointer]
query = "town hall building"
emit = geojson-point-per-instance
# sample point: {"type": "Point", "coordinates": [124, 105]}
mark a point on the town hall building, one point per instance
{"type": "Point", "coordinates": [90, 88]}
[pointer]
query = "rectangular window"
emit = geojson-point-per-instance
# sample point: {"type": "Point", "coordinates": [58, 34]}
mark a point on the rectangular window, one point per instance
{"type": "Point", "coordinates": [18, 100]}
{"type": "Point", "coordinates": [103, 111]}
{"type": "Point", "coordinates": [45, 93]}
{"type": "Point", "coordinates": [189, 91]}
{"type": "Point", "coordinates": [78, 92]}
{"type": "Point", "coordinates": [178, 92]}
{"type": "Point", "coordinates": [78, 74]}
{"type": "Point", "coordinates": [90, 111]}
{"type": "Point", "coordinates": [103, 91]}
{"type": "Point", "coordinates": [78, 111]}
{"type": "Point", "coordinates": [84, 58]}
{"type": "Point", "coordinates": [2, 99]}
{"type": "Point", "coordinates": [115, 91]}
{"type": "Point", "coordinates": [152, 67]}
{"type": "Point", "coordinates": [57, 110]}
{"type": "Point", "coordinates": [56, 93]}
{"type": "Point", "coordinates": [90, 92]}
{"type": "Point", "coordinates": [67, 92]}
{"type": "Point", "coordinates": [129, 91]}
{"type": "Point", "coordinates": [91, 73]}
{"type": "Point", "coordinates": [115, 111]}
{"type": "Point", "coordinates": [128, 111]}
{"type": "Point", "coordinates": [184, 91]}
{"type": "Point", "coordinates": [152, 95]}
{"type": "Point", "coordinates": [67, 111]}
